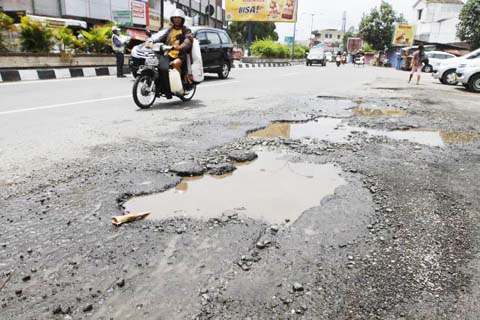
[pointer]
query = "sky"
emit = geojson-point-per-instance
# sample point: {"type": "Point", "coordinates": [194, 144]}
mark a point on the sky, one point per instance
{"type": "Point", "coordinates": [330, 14]}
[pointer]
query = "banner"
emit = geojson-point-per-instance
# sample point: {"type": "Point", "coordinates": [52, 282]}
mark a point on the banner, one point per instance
{"type": "Point", "coordinates": [403, 35]}
{"type": "Point", "coordinates": [261, 10]}
{"type": "Point", "coordinates": [139, 12]}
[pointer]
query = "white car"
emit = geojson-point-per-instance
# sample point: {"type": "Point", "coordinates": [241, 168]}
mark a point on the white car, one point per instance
{"type": "Point", "coordinates": [316, 56]}
{"type": "Point", "coordinates": [469, 75]}
{"type": "Point", "coordinates": [435, 58]}
{"type": "Point", "coordinates": [446, 71]}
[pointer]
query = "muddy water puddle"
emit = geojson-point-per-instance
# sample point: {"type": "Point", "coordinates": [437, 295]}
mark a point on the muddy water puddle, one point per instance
{"type": "Point", "coordinates": [270, 188]}
{"type": "Point", "coordinates": [336, 131]}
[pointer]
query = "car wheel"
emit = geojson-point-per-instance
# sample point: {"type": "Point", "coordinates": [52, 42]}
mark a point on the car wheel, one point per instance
{"type": "Point", "coordinates": [450, 77]}
{"type": "Point", "coordinates": [474, 83]}
{"type": "Point", "coordinates": [428, 69]}
{"type": "Point", "coordinates": [308, 63]}
{"type": "Point", "coordinates": [223, 74]}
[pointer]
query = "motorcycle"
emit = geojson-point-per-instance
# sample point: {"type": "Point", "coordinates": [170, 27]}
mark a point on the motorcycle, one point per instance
{"type": "Point", "coordinates": [338, 61]}
{"type": "Point", "coordinates": [152, 83]}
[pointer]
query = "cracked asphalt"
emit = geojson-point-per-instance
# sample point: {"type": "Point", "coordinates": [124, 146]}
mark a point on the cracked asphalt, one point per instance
{"type": "Point", "coordinates": [399, 240]}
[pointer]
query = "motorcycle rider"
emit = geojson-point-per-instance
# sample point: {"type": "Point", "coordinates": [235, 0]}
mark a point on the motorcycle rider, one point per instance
{"type": "Point", "coordinates": [181, 39]}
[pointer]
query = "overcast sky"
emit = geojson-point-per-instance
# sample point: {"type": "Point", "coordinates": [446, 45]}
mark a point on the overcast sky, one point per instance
{"type": "Point", "coordinates": [330, 14]}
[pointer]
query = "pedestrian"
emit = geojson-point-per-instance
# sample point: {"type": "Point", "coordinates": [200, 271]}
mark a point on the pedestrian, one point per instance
{"type": "Point", "coordinates": [416, 65]}
{"type": "Point", "coordinates": [118, 46]}
{"type": "Point", "coordinates": [399, 59]}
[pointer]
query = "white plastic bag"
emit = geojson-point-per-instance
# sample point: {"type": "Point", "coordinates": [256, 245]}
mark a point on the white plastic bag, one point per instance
{"type": "Point", "coordinates": [197, 63]}
{"type": "Point", "coordinates": [175, 82]}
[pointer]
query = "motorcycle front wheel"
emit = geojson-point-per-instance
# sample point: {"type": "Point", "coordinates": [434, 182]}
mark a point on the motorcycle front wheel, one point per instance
{"type": "Point", "coordinates": [144, 91]}
{"type": "Point", "coordinates": [188, 95]}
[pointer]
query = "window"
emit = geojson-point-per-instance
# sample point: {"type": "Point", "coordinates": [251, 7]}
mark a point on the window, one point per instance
{"type": "Point", "coordinates": [224, 37]}
{"type": "Point", "coordinates": [213, 38]}
{"type": "Point", "coordinates": [202, 38]}
{"type": "Point", "coordinates": [420, 11]}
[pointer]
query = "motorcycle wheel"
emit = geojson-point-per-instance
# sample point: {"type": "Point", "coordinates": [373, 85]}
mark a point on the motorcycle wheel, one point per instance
{"type": "Point", "coordinates": [144, 91]}
{"type": "Point", "coordinates": [188, 95]}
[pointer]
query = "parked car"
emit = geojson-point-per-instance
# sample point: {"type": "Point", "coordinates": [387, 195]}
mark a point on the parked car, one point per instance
{"type": "Point", "coordinates": [435, 58]}
{"type": "Point", "coordinates": [469, 75]}
{"type": "Point", "coordinates": [217, 48]}
{"type": "Point", "coordinates": [317, 56]}
{"type": "Point", "coordinates": [215, 44]}
{"type": "Point", "coordinates": [446, 70]}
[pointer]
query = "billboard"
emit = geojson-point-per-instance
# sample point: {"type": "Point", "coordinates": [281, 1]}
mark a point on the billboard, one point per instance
{"type": "Point", "coordinates": [354, 45]}
{"type": "Point", "coordinates": [261, 10]}
{"type": "Point", "coordinates": [403, 35]}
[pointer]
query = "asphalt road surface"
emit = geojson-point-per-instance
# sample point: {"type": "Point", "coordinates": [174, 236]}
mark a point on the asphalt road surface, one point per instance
{"type": "Point", "coordinates": [392, 234]}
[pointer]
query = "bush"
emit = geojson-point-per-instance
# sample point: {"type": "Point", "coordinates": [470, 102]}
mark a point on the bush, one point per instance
{"type": "Point", "coordinates": [270, 49]}
{"type": "Point", "coordinates": [300, 51]}
{"type": "Point", "coordinates": [6, 24]}
{"type": "Point", "coordinates": [34, 36]}
{"type": "Point", "coordinates": [98, 39]}
{"type": "Point", "coordinates": [66, 40]}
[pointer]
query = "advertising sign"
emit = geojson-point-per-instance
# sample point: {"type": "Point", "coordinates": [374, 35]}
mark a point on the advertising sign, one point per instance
{"type": "Point", "coordinates": [261, 10]}
{"type": "Point", "coordinates": [354, 45]}
{"type": "Point", "coordinates": [403, 35]}
{"type": "Point", "coordinates": [155, 22]}
{"type": "Point", "coordinates": [122, 17]}
{"type": "Point", "coordinates": [139, 12]}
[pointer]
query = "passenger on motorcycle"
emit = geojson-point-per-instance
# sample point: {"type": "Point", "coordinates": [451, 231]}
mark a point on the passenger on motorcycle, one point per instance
{"type": "Point", "coordinates": [180, 38]}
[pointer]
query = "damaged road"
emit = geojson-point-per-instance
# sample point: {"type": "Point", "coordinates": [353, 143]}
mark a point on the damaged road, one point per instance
{"type": "Point", "coordinates": [396, 237]}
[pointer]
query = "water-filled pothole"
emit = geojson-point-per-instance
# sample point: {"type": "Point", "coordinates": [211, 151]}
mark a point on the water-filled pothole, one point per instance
{"type": "Point", "coordinates": [270, 188]}
{"type": "Point", "coordinates": [333, 130]}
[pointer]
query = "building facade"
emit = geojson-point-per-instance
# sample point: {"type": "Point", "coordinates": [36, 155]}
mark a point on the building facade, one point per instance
{"type": "Point", "coordinates": [328, 37]}
{"type": "Point", "coordinates": [436, 20]}
{"type": "Point", "coordinates": [143, 13]}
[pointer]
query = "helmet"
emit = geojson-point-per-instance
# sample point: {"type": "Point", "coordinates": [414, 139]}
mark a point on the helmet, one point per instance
{"type": "Point", "coordinates": [115, 28]}
{"type": "Point", "coordinates": [178, 13]}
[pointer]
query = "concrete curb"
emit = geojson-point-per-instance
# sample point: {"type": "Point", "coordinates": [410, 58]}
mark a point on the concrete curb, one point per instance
{"type": "Point", "coordinates": [57, 73]}
{"type": "Point", "coordinates": [262, 65]}
{"type": "Point", "coordinates": [67, 73]}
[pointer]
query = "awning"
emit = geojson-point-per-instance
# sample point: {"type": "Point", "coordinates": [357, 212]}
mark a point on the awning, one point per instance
{"type": "Point", "coordinates": [137, 34]}
{"type": "Point", "coordinates": [58, 22]}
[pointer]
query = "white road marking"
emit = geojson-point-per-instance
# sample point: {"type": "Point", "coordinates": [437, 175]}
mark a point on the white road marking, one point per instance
{"type": "Point", "coordinates": [68, 104]}
{"type": "Point", "coordinates": [217, 84]}
{"type": "Point", "coordinates": [61, 105]}
{"type": "Point", "coordinates": [289, 74]}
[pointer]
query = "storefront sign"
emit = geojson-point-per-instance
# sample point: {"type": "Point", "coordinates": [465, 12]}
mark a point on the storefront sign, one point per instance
{"type": "Point", "coordinates": [122, 17]}
{"type": "Point", "coordinates": [261, 10]}
{"type": "Point", "coordinates": [154, 21]}
{"type": "Point", "coordinates": [139, 12]}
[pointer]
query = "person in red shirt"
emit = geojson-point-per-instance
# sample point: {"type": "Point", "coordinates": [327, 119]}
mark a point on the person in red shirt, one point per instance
{"type": "Point", "coordinates": [416, 65]}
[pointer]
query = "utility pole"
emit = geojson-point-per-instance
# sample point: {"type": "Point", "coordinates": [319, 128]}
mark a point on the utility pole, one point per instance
{"type": "Point", "coordinates": [162, 10]}
{"type": "Point", "coordinates": [249, 37]}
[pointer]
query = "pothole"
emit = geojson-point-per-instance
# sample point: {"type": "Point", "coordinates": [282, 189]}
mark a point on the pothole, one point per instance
{"type": "Point", "coordinates": [271, 188]}
{"type": "Point", "coordinates": [335, 131]}
{"type": "Point", "coordinates": [367, 112]}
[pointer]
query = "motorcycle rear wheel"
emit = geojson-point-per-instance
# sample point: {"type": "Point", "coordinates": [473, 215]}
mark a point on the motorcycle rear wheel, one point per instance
{"type": "Point", "coordinates": [143, 92]}
{"type": "Point", "coordinates": [188, 95]}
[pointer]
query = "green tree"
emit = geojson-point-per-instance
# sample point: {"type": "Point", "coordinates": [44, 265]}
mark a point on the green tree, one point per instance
{"type": "Point", "coordinates": [469, 27]}
{"type": "Point", "coordinates": [238, 31]}
{"type": "Point", "coordinates": [6, 24]}
{"type": "Point", "coordinates": [34, 36]}
{"type": "Point", "coordinates": [378, 26]}
{"type": "Point", "coordinates": [98, 39]}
